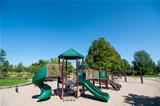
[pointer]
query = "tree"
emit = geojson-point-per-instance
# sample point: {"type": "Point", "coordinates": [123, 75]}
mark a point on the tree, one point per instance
{"type": "Point", "coordinates": [19, 67]}
{"type": "Point", "coordinates": [143, 62]}
{"type": "Point", "coordinates": [102, 55]}
{"type": "Point", "coordinates": [70, 67]}
{"type": "Point", "coordinates": [125, 68]}
{"type": "Point", "coordinates": [6, 66]}
{"type": "Point", "coordinates": [2, 56]}
{"type": "Point", "coordinates": [42, 62]}
{"type": "Point", "coordinates": [53, 61]}
{"type": "Point", "coordinates": [125, 65]}
{"type": "Point", "coordinates": [34, 67]}
{"type": "Point", "coordinates": [158, 66]}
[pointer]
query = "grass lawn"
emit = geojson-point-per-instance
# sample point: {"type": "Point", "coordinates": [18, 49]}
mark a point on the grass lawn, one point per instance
{"type": "Point", "coordinates": [10, 81]}
{"type": "Point", "coordinates": [148, 76]}
{"type": "Point", "coordinates": [153, 76]}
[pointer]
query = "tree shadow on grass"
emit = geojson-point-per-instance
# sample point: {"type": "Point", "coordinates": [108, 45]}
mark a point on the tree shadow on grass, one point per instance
{"type": "Point", "coordinates": [141, 100]}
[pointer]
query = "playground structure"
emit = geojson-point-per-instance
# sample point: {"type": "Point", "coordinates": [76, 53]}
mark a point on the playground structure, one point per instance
{"type": "Point", "coordinates": [80, 79]}
{"type": "Point", "coordinates": [93, 89]}
{"type": "Point", "coordinates": [78, 83]}
{"type": "Point", "coordinates": [105, 79]}
{"type": "Point", "coordinates": [102, 77]}
{"type": "Point", "coordinates": [68, 55]}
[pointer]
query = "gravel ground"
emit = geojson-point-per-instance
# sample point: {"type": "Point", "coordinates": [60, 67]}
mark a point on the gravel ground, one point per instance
{"type": "Point", "coordinates": [131, 93]}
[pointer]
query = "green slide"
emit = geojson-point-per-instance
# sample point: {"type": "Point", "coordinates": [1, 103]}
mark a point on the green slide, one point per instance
{"type": "Point", "coordinates": [38, 80]}
{"type": "Point", "coordinates": [116, 86]}
{"type": "Point", "coordinates": [95, 90]}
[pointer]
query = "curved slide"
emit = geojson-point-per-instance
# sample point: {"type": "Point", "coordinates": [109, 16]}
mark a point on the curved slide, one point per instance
{"type": "Point", "coordinates": [38, 80]}
{"type": "Point", "coordinates": [95, 90]}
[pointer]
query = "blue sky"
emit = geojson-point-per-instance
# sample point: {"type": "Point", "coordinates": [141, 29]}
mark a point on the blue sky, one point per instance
{"type": "Point", "coordinates": [32, 30]}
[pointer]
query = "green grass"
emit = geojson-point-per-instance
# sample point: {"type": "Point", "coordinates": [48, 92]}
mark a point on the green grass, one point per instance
{"type": "Point", "coordinates": [153, 76]}
{"type": "Point", "coordinates": [148, 76]}
{"type": "Point", "coordinates": [11, 81]}
{"type": "Point", "coordinates": [132, 76]}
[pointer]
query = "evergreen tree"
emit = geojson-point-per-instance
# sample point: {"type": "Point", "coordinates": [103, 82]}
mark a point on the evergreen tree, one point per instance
{"type": "Point", "coordinates": [2, 56]}
{"type": "Point", "coordinates": [4, 64]}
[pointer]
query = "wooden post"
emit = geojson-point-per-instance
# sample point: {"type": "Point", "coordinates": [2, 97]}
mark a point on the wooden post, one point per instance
{"type": "Point", "coordinates": [83, 90]}
{"type": "Point", "coordinates": [112, 77]}
{"type": "Point", "coordinates": [57, 92]}
{"type": "Point", "coordinates": [141, 77]}
{"type": "Point", "coordinates": [62, 78]}
{"type": "Point", "coordinates": [66, 70]}
{"type": "Point", "coordinates": [77, 78]}
{"type": "Point", "coordinates": [125, 77]}
{"type": "Point", "coordinates": [107, 78]}
{"type": "Point", "coordinates": [93, 76]}
{"type": "Point", "coordinates": [100, 80]}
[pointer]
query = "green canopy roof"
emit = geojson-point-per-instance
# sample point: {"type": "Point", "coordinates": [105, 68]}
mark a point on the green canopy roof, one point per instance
{"type": "Point", "coordinates": [71, 54]}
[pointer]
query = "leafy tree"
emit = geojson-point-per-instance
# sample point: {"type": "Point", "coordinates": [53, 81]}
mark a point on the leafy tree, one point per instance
{"type": "Point", "coordinates": [125, 65]}
{"type": "Point", "coordinates": [6, 66]}
{"type": "Point", "coordinates": [42, 62]}
{"type": "Point", "coordinates": [70, 67]}
{"type": "Point", "coordinates": [143, 62]}
{"type": "Point", "coordinates": [53, 61]}
{"type": "Point", "coordinates": [34, 67]}
{"type": "Point", "coordinates": [19, 67]}
{"type": "Point", "coordinates": [102, 55]}
{"type": "Point", "coordinates": [158, 66]}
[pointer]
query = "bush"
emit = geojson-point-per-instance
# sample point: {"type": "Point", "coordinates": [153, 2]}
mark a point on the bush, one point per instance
{"type": "Point", "coordinates": [4, 75]}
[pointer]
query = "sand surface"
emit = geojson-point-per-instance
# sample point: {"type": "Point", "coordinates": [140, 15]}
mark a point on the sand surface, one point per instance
{"type": "Point", "coordinates": [131, 93]}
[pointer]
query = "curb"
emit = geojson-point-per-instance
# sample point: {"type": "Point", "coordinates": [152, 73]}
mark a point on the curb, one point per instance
{"type": "Point", "coordinates": [25, 84]}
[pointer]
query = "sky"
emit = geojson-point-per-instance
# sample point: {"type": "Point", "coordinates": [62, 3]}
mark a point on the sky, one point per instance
{"type": "Point", "coordinates": [42, 29]}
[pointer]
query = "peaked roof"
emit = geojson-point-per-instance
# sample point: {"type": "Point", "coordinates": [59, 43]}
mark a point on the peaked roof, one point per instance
{"type": "Point", "coordinates": [71, 54]}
